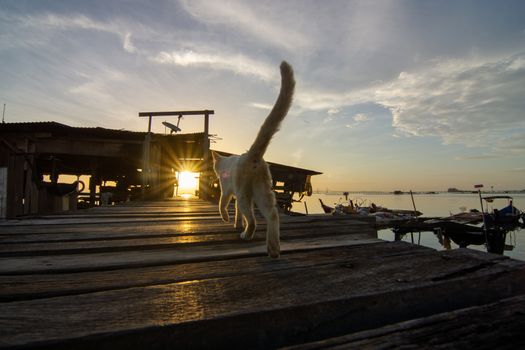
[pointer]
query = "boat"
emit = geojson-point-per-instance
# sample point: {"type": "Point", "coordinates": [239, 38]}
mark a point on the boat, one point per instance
{"type": "Point", "coordinates": [508, 215]}
{"type": "Point", "coordinates": [487, 227]}
{"type": "Point", "coordinates": [382, 215]}
{"type": "Point", "coordinates": [465, 234]}
{"type": "Point", "coordinates": [327, 209]}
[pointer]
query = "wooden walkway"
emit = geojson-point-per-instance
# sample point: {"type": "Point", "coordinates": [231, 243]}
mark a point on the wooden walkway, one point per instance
{"type": "Point", "coordinates": [170, 274]}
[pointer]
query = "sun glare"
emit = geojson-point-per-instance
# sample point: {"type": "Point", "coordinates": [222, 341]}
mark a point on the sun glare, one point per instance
{"type": "Point", "coordinates": [188, 182]}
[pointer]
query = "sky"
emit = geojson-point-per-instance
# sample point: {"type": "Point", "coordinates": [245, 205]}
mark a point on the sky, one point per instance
{"type": "Point", "coordinates": [391, 95]}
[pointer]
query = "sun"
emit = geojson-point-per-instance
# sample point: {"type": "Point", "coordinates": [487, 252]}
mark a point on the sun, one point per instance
{"type": "Point", "coordinates": [188, 181]}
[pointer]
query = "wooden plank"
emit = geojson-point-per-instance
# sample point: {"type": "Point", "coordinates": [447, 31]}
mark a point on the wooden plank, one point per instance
{"type": "Point", "coordinates": [115, 230]}
{"type": "Point", "coordinates": [21, 245]}
{"type": "Point", "coordinates": [24, 287]}
{"type": "Point", "coordinates": [107, 220]}
{"type": "Point", "coordinates": [496, 325]}
{"type": "Point", "coordinates": [151, 257]}
{"type": "Point", "coordinates": [268, 309]}
{"type": "Point", "coordinates": [44, 225]}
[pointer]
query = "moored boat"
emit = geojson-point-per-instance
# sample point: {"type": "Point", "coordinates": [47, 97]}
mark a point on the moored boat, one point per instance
{"type": "Point", "coordinates": [508, 215]}
{"type": "Point", "coordinates": [382, 215]}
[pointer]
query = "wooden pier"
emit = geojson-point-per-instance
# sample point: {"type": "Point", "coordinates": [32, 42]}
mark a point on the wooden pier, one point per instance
{"type": "Point", "coordinates": [171, 274]}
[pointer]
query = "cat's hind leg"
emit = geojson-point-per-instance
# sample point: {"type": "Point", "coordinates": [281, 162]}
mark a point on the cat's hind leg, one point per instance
{"type": "Point", "coordinates": [265, 201]}
{"type": "Point", "coordinates": [245, 206]}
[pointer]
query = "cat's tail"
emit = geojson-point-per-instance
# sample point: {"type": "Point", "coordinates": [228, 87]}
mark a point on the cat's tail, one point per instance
{"type": "Point", "coordinates": [277, 114]}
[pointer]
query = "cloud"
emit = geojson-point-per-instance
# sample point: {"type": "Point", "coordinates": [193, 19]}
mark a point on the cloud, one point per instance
{"type": "Point", "coordinates": [357, 120]}
{"type": "Point", "coordinates": [261, 106]}
{"type": "Point", "coordinates": [68, 22]}
{"type": "Point", "coordinates": [360, 117]}
{"type": "Point", "coordinates": [315, 99]}
{"type": "Point", "coordinates": [128, 44]}
{"type": "Point", "coordinates": [96, 86]}
{"type": "Point", "coordinates": [475, 103]}
{"type": "Point", "coordinates": [42, 22]}
{"type": "Point", "coordinates": [480, 157]}
{"type": "Point", "coordinates": [297, 157]}
{"type": "Point", "coordinates": [239, 64]}
{"type": "Point", "coordinates": [253, 19]}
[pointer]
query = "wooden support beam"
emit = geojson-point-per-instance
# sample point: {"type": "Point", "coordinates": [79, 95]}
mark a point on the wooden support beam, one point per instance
{"type": "Point", "coordinates": [165, 114]}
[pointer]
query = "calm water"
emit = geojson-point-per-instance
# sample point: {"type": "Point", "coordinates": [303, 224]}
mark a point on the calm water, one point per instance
{"type": "Point", "coordinates": [431, 205]}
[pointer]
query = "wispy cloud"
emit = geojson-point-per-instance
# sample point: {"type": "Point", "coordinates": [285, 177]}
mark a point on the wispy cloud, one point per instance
{"type": "Point", "coordinates": [477, 157]}
{"type": "Point", "coordinates": [475, 103]}
{"type": "Point", "coordinates": [238, 64]}
{"type": "Point", "coordinates": [128, 44]}
{"type": "Point", "coordinates": [39, 24]}
{"type": "Point", "coordinates": [263, 106]}
{"type": "Point", "coordinates": [254, 18]}
{"type": "Point", "coordinates": [360, 117]}
{"type": "Point", "coordinates": [68, 22]}
{"type": "Point", "coordinates": [357, 120]}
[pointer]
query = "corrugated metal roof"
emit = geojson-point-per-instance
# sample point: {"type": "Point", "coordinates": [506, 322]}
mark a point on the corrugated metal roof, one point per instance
{"type": "Point", "coordinates": [59, 129]}
{"type": "Point", "coordinates": [62, 129]}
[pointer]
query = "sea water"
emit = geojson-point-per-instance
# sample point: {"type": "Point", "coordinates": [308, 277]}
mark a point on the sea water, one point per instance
{"type": "Point", "coordinates": [431, 205]}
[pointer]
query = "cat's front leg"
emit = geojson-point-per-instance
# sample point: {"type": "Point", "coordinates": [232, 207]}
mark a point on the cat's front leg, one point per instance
{"type": "Point", "coordinates": [265, 200]}
{"type": "Point", "coordinates": [272, 233]}
{"type": "Point", "coordinates": [237, 224]}
{"type": "Point", "coordinates": [224, 201]}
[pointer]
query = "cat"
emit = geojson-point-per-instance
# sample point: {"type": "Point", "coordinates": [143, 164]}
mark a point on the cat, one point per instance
{"type": "Point", "coordinates": [247, 177]}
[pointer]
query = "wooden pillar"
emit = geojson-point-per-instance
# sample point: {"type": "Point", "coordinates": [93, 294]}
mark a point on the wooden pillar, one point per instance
{"type": "Point", "coordinates": [146, 162]}
{"type": "Point", "coordinates": [93, 181]}
{"type": "Point", "coordinates": [15, 186]}
{"type": "Point", "coordinates": [31, 189]}
{"type": "Point", "coordinates": [204, 181]}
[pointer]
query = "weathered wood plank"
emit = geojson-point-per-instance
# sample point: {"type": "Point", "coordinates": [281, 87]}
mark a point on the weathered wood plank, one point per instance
{"type": "Point", "coordinates": [47, 285]}
{"type": "Point", "coordinates": [496, 325]}
{"type": "Point", "coordinates": [120, 259]}
{"type": "Point", "coordinates": [103, 244]}
{"type": "Point", "coordinates": [103, 220]}
{"type": "Point", "coordinates": [264, 310]}
{"type": "Point", "coordinates": [45, 226]}
{"type": "Point", "coordinates": [171, 274]}
{"type": "Point", "coordinates": [127, 230]}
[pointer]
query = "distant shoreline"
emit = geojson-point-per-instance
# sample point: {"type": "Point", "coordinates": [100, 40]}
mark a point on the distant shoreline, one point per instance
{"type": "Point", "coordinates": [330, 192]}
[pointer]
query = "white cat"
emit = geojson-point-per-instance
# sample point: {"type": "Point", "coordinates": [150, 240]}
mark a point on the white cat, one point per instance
{"type": "Point", "coordinates": [247, 177]}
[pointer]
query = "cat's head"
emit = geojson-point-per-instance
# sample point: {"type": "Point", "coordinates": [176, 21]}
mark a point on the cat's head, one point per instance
{"type": "Point", "coordinates": [217, 161]}
{"type": "Point", "coordinates": [222, 166]}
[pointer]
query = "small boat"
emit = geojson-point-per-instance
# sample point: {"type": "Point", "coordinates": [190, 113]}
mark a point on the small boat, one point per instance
{"type": "Point", "coordinates": [382, 215]}
{"type": "Point", "coordinates": [464, 235]}
{"type": "Point", "coordinates": [327, 209]}
{"type": "Point", "coordinates": [508, 215]}
{"type": "Point", "coordinates": [472, 217]}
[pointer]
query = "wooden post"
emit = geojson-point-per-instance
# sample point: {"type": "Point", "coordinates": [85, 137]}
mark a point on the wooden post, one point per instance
{"type": "Point", "coordinates": [205, 166]}
{"type": "Point", "coordinates": [483, 216]}
{"type": "Point", "coordinates": [15, 186]}
{"type": "Point", "coordinates": [93, 187]}
{"type": "Point", "coordinates": [415, 215]}
{"type": "Point", "coordinates": [145, 163]}
{"type": "Point", "coordinates": [204, 190]}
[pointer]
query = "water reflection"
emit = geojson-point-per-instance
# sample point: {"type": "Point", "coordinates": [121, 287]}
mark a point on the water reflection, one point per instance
{"type": "Point", "coordinates": [493, 240]}
{"type": "Point", "coordinates": [431, 205]}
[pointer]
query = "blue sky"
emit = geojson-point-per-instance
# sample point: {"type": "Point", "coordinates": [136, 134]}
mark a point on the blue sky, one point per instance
{"type": "Point", "coordinates": [420, 95]}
